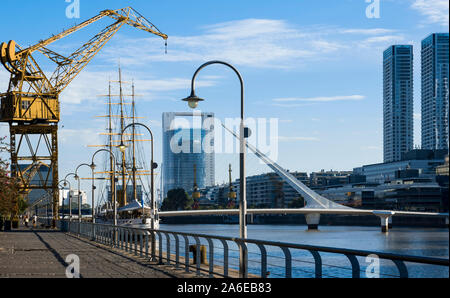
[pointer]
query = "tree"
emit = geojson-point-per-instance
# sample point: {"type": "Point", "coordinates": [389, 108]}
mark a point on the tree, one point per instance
{"type": "Point", "coordinates": [297, 203]}
{"type": "Point", "coordinates": [177, 199]}
{"type": "Point", "coordinates": [11, 202]}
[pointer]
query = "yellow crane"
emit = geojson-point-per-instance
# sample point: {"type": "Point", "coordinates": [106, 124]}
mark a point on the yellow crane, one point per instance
{"type": "Point", "coordinates": [31, 104]}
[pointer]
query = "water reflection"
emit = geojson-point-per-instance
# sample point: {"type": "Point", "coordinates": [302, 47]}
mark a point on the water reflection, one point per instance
{"type": "Point", "coordinates": [428, 242]}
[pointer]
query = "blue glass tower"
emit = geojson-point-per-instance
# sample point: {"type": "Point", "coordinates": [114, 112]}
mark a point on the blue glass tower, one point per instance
{"type": "Point", "coordinates": [184, 138]}
{"type": "Point", "coordinates": [435, 71]}
{"type": "Point", "coordinates": [397, 101]}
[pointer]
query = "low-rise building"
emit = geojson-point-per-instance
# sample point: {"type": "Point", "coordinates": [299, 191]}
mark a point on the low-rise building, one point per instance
{"type": "Point", "coordinates": [425, 161]}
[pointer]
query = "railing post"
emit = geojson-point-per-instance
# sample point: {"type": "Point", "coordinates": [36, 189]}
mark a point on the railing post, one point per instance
{"type": "Point", "coordinates": [121, 238]}
{"type": "Point", "coordinates": [146, 244]}
{"type": "Point", "coordinates": [318, 262]}
{"type": "Point", "coordinates": [186, 253]}
{"type": "Point", "coordinates": [197, 251]}
{"type": "Point", "coordinates": [160, 248]}
{"type": "Point", "coordinates": [211, 257]}
{"type": "Point", "coordinates": [177, 250]}
{"type": "Point", "coordinates": [243, 266]}
{"type": "Point", "coordinates": [288, 262]}
{"type": "Point", "coordinates": [135, 242]}
{"type": "Point", "coordinates": [356, 271]}
{"type": "Point", "coordinates": [153, 245]}
{"type": "Point", "coordinates": [402, 269]}
{"type": "Point", "coordinates": [141, 246]}
{"type": "Point", "coordinates": [263, 250]}
{"type": "Point", "coordinates": [225, 257]}
{"type": "Point", "coordinates": [167, 248]}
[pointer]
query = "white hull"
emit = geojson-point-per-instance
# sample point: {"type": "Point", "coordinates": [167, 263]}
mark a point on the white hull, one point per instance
{"type": "Point", "coordinates": [131, 223]}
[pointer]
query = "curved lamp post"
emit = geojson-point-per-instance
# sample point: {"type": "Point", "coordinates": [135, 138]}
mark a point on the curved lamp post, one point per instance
{"type": "Point", "coordinates": [64, 185]}
{"type": "Point", "coordinates": [193, 101]}
{"type": "Point", "coordinates": [153, 166]}
{"type": "Point", "coordinates": [113, 186]}
{"type": "Point", "coordinates": [79, 195]}
{"type": "Point", "coordinates": [70, 200]}
{"type": "Point", "coordinates": [63, 213]}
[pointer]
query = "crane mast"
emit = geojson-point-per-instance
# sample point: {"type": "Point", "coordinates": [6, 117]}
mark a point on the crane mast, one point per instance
{"type": "Point", "coordinates": [31, 104]}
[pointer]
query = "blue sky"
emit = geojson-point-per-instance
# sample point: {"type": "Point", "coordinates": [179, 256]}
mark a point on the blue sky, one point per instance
{"type": "Point", "coordinates": [314, 65]}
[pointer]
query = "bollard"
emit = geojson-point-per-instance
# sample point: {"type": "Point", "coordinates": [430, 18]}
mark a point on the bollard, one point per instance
{"type": "Point", "coordinates": [193, 249]}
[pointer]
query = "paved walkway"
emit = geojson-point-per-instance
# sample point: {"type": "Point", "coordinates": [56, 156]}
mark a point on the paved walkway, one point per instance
{"type": "Point", "coordinates": [27, 253]}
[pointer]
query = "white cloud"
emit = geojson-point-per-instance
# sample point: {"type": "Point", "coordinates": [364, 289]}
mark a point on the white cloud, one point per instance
{"type": "Point", "coordinates": [320, 99]}
{"type": "Point", "coordinates": [4, 79]}
{"type": "Point", "coordinates": [292, 105]}
{"type": "Point", "coordinates": [79, 137]}
{"type": "Point", "coordinates": [261, 43]}
{"type": "Point", "coordinates": [90, 85]}
{"type": "Point", "coordinates": [385, 39]}
{"type": "Point", "coordinates": [370, 31]}
{"type": "Point", "coordinates": [435, 11]}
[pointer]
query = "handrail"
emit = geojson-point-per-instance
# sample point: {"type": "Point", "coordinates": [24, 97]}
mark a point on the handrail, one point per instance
{"type": "Point", "coordinates": [131, 245]}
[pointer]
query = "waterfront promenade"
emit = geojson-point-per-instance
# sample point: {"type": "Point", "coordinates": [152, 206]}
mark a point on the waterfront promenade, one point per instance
{"type": "Point", "coordinates": [38, 253]}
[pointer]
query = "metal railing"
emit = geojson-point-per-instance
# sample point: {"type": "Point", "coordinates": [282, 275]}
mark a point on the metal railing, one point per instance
{"type": "Point", "coordinates": [172, 248]}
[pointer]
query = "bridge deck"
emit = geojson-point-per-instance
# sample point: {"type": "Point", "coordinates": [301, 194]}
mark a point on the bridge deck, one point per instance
{"type": "Point", "coordinates": [27, 253]}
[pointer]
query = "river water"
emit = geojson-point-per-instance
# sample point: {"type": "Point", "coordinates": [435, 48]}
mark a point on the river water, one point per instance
{"type": "Point", "coordinates": [430, 242]}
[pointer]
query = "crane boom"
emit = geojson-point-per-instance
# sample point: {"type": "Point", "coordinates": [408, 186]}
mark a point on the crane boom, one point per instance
{"type": "Point", "coordinates": [31, 103]}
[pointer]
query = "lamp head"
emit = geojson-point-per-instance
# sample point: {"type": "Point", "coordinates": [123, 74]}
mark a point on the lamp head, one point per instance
{"type": "Point", "coordinates": [193, 100]}
{"type": "Point", "coordinates": [93, 166]}
{"type": "Point", "coordinates": [122, 147]}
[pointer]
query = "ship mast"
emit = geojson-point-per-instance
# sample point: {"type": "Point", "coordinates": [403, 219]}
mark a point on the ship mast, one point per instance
{"type": "Point", "coordinates": [134, 146]}
{"type": "Point", "coordinates": [110, 145]}
{"type": "Point", "coordinates": [122, 126]}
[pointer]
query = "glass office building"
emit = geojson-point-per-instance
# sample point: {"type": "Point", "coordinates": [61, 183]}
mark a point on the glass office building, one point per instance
{"type": "Point", "coordinates": [397, 101]}
{"type": "Point", "coordinates": [435, 91]}
{"type": "Point", "coordinates": [184, 138]}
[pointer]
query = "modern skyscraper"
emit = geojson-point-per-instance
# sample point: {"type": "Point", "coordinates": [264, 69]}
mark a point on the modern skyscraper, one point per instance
{"type": "Point", "coordinates": [188, 143]}
{"type": "Point", "coordinates": [397, 101]}
{"type": "Point", "coordinates": [435, 91]}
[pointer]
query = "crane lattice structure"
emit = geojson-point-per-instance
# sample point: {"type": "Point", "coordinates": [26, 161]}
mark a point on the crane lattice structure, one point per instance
{"type": "Point", "coordinates": [31, 104]}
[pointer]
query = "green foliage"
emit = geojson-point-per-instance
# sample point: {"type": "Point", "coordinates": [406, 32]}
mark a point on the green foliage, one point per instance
{"type": "Point", "coordinates": [297, 203]}
{"type": "Point", "coordinates": [177, 199]}
{"type": "Point", "coordinates": [11, 202]}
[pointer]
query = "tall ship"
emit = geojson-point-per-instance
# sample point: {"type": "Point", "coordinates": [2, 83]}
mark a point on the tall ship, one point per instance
{"type": "Point", "coordinates": [131, 174]}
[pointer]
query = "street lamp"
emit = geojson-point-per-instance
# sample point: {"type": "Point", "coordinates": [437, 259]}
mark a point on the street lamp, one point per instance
{"type": "Point", "coordinates": [79, 195]}
{"type": "Point", "coordinates": [64, 186]}
{"type": "Point", "coordinates": [70, 200]}
{"type": "Point", "coordinates": [153, 166]}
{"type": "Point", "coordinates": [113, 186]}
{"type": "Point", "coordinates": [93, 166]}
{"type": "Point", "coordinates": [193, 101]}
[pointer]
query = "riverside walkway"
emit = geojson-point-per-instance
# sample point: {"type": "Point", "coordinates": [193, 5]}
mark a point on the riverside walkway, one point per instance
{"type": "Point", "coordinates": [38, 253]}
